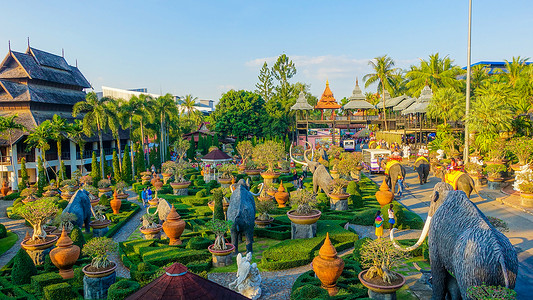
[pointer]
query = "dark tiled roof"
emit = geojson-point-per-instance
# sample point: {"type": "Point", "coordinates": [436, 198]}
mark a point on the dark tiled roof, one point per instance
{"type": "Point", "coordinates": [216, 155]}
{"type": "Point", "coordinates": [178, 283]}
{"type": "Point", "coordinates": [40, 93]}
{"type": "Point", "coordinates": [15, 90]}
{"type": "Point", "coordinates": [49, 59]}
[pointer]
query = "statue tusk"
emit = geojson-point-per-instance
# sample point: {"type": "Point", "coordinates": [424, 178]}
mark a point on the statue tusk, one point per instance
{"type": "Point", "coordinates": [312, 151]}
{"type": "Point", "coordinates": [295, 160]}
{"type": "Point", "coordinates": [260, 190]}
{"type": "Point", "coordinates": [420, 240]}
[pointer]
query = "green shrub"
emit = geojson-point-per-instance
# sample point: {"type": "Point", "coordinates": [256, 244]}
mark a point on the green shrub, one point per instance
{"type": "Point", "coordinates": [121, 289]}
{"type": "Point", "coordinates": [193, 177]}
{"type": "Point", "coordinates": [12, 196]}
{"type": "Point", "coordinates": [3, 231]}
{"type": "Point", "coordinates": [398, 214]}
{"type": "Point", "coordinates": [125, 206]}
{"type": "Point", "coordinates": [104, 200]}
{"type": "Point", "coordinates": [48, 265]}
{"type": "Point", "coordinates": [364, 217]}
{"type": "Point", "coordinates": [144, 272]}
{"type": "Point", "coordinates": [180, 255]}
{"type": "Point", "coordinates": [198, 243]}
{"type": "Point", "coordinates": [23, 268]}
{"type": "Point", "coordinates": [308, 292]}
{"type": "Point", "coordinates": [62, 203]}
{"type": "Point", "coordinates": [40, 281]}
{"type": "Point", "coordinates": [201, 193]}
{"type": "Point", "coordinates": [356, 201]}
{"type": "Point", "coordinates": [17, 202]}
{"type": "Point", "coordinates": [357, 248]}
{"type": "Point", "coordinates": [59, 291]}
{"type": "Point", "coordinates": [352, 188]}
{"type": "Point", "coordinates": [76, 235]}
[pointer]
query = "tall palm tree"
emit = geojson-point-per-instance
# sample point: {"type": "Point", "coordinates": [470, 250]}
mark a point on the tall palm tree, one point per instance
{"type": "Point", "coordinates": [9, 124]}
{"type": "Point", "coordinates": [75, 132]}
{"type": "Point", "coordinates": [144, 114]}
{"type": "Point", "coordinates": [96, 118]}
{"type": "Point", "coordinates": [114, 124]}
{"type": "Point", "coordinates": [384, 74]}
{"type": "Point", "coordinates": [39, 138]}
{"type": "Point", "coordinates": [514, 69]}
{"type": "Point", "coordinates": [437, 72]}
{"type": "Point", "coordinates": [58, 127]}
{"type": "Point", "coordinates": [165, 108]}
{"type": "Point", "coordinates": [189, 104]}
{"type": "Point", "coordinates": [128, 110]}
{"type": "Point", "coordinates": [447, 104]}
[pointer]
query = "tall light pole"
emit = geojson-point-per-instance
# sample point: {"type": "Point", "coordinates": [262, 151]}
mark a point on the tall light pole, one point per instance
{"type": "Point", "coordinates": [468, 63]}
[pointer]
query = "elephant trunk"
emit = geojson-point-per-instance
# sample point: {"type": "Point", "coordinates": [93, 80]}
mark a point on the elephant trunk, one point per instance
{"type": "Point", "coordinates": [260, 190]}
{"type": "Point", "coordinates": [418, 243]}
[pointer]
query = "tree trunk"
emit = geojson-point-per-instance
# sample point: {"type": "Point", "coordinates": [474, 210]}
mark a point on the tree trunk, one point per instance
{"type": "Point", "coordinates": [147, 155]}
{"type": "Point", "coordinates": [82, 149]}
{"type": "Point", "coordinates": [131, 152]}
{"type": "Point", "coordinates": [119, 153]}
{"type": "Point", "coordinates": [102, 157]}
{"type": "Point", "coordinates": [59, 146]}
{"type": "Point", "coordinates": [161, 139]}
{"type": "Point", "coordinates": [384, 109]}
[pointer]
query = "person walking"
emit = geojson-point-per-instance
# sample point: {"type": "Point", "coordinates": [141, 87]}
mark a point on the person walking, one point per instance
{"type": "Point", "coordinates": [295, 178]}
{"type": "Point", "coordinates": [301, 182]}
{"type": "Point", "coordinates": [378, 223]}
{"type": "Point", "coordinates": [400, 185]}
{"type": "Point", "coordinates": [149, 194]}
{"type": "Point", "coordinates": [143, 197]}
{"type": "Point", "coordinates": [392, 219]}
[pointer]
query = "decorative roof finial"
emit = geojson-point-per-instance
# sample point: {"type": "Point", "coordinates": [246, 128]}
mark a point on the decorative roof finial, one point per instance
{"type": "Point", "coordinates": [356, 81]}
{"type": "Point", "coordinates": [28, 42]}
{"type": "Point", "coordinates": [62, 52]}
{"type": "Point", "coordinates": [9, 45]}
{"type": "Point", "coordinates": [76, 62]}
{"type": "Point", "coordinates": [327, 82]}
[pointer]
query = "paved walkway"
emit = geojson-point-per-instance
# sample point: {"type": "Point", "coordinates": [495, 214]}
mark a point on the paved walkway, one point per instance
{"type": "Point", "coordinates": [520, 223]}
{"type": "Point", "coordinates": [16, 226]}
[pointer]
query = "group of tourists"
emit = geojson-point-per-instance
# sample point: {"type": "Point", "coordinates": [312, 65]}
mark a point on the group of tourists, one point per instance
{"type": "Point", "coordinates": [378, 221]}
{"type": "Point", "coordinates": [146, 195]}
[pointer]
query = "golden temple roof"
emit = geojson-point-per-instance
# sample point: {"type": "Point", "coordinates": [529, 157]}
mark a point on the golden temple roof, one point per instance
{"type": "Point", "coordinates": [327, 101]}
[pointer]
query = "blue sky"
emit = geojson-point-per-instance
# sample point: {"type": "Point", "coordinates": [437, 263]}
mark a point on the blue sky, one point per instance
{"type": "Point", "coordinates": [208, 47]}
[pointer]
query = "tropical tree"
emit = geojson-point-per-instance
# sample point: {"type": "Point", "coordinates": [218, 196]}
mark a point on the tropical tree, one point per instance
{"type": "Point", "coordinates": [97, 114]}
{"type": "Point", "coordinates": [437, 72]}
{"type": "Point", "coordinates": [447, 104]}
{"type": "Point", "coordinates": [384, 74]}
{"type": "Point", "coordinates": [39, 138]}
{"type": "Point", "coordinates": [165, 108]}
{"type": "Point", "coordinates": [265, 87]}
{"type": "Point", "coordinates": [58, 126]}
{"type": "Point", "coordinates": [515, 69]}
{"type": "Point", "coordinates": [9, 124]}
{"type": "Point", "coordinates": [114, 122]}
{"type": "Point", "coordinates": [145, 115]}
{"type": "Point", "coordinates": [189, 104]}
{"type": "Point", "coordinates": [283, 70]}
{"type": "Point", "coordinates": [127, 111]}
{"type": "Point", "coordinates": [75, 133]}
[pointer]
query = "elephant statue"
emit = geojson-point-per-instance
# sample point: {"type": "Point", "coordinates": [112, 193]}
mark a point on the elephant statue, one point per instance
{"type": "Point", "coordinates": [422, 167]}
{"type": "Point", "coordinates": [241, 211]}
{"type": "Point", "coordinates": [321, 176]}
{"type": "Point", "coordinates": [80, 205]}
{"type": "Point", "coordinates": [464, 243]}
{"type": "Point", "coordinates": [460, 181]}
{"type": "Point", "coordinates": [391, 176]}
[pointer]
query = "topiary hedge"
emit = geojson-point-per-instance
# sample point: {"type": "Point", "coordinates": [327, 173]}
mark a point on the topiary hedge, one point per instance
{"type": "Point", "coordinates": [40, 281]}
{"type": "Point", "coordinates": [3, 231]}
{"type": "Point", "coordinates": [23, 268]}
{"type": "Point", "coordinates": [198, 243]}
{"type": "Point", "coordinates": [122, 289]}
{"type": "Point", "coordinates": [58, 291]}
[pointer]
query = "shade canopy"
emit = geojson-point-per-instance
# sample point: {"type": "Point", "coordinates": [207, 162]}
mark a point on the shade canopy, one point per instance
{"type": "Point", "coordinates": [216, 156]}
{"type": "Point", "coordinates": [327, 101]}
{"type": "Point", "coordinates": [357, 99]}
{"type": "Point", "coordinates": [404, 104]}
{"type": "Point", "coordinates": [301, 103]}
{"type": "Point", "coordinates": [178, 283]}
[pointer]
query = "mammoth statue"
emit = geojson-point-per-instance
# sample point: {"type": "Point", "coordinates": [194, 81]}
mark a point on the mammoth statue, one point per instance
{"type": "Point", "coordinates": [80, 205]}
{"type": "Point", "coordinates": [422, 167]}
{"type": "Point", "coordinates": [241, 211]}
{"type": "Point", "coordinates": [321, 176]}
{"type": "Point", "coordinates": [464, 243]}
{"type": "Point", "coordinates": [460, 181]}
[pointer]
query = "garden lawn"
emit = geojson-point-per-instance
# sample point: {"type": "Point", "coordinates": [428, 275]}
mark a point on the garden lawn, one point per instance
{"type": "Point", "coordinates": [8, 242]}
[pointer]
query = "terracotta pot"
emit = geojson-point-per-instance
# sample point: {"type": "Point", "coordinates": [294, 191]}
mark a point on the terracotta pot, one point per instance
{"type": "Point", "coordinates": [98, 274]}
{"type": "Point", "coordinates": [384, 195]}
{"type": "Point", "coordinates": [526, 200]}
{"type": "Point", "coordinates": [271, 193]}
{"type": "Point", "coordinates": [495, 179]}
{"type": "Point", "coordinates": [115, 204]}
{"type": "Point", "coordinates": [153, 202]}
{"type": "Point", "coordinates": [50, 193]}
{"type": "Point", "coordinates": [226, 252]}
{"type": "Point", "coordinates": [150, 231]}
{"type": "Point", "coordinates": [5, 189]}
{"type": "Point", "coordinates": [268, 175]}
{"type": "Point", "coordinates": [328, 266]}
{"type": "Point", "coordinates": [105, 190]}
{"type": "Point", "coordinates": [65, 255]}
{"type": "Point", "coordinates": [211, 205]}
{"type": "Point", "coordinates": [242, 167]}
{"type": "Point", "coordinates": [174, 227]}
{"type": "Point", "coordinates": [166, 177]}
{"type": "Point", "coordinates": [252, 172]}
{"type": "Point", "coordinates": [49, 242]}
{"type": "Point", "coordinates": [281, 195]}
{"type": "Point", "coordinates": [334, 174]}
{"type": "Point", "coordinates": [304, 220]}
{"type": "Point", "coordinates": [50, 229]}
{"type": "Point", "coordinates": [516, 167]}
{"type": "Point", "coordinates": [99, 225]}
{"type": "Point", "coordinates": [263, 223]}
{"type": "Point", "coordinates": [180, 185]}
{"type": "Point", "coordinates": [381, 288]}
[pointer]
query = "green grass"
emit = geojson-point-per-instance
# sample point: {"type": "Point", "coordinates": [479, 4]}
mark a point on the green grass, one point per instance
{"type": "Point", "coordinates": [8, 242]}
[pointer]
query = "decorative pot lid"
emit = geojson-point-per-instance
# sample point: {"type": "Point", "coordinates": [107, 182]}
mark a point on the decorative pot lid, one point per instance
{"type": "Point", "coordinates": [64, 240]}
{"type": "Point", "coordinates": [281, 188]}
{"type": "Point", "coordinates": [327, 250]}
{"type": "Point", "coordinates": [384, 186]}
{"type": "Point", "coordinates": [173, 214]}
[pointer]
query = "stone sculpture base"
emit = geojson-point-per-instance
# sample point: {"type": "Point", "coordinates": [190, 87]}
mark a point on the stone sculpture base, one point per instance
{"type": "Point", "coordinates": [181, 192]}
{"type": "Point", "coordinates": [338, 204]}
{"type": "Point", "coordinates": [96, 288]}
{"type": "Point", "coordinates": [100, 232]}
{"type": "Point", "coordinates": [299, 231]}
{"type": "Point", "coordinates": [152, 236]}
{"type": "Point", "coordinates": [381, 296]}
{"type": "Point", "coordinates": [495, 185]}
{"type": "Point", "coordinates": [37, 256]}
{"type": "Point", "coordinates": [222, 261]}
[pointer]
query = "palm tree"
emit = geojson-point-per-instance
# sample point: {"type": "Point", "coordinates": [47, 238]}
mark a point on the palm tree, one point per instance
{"type": "Point", "coordinates": [58, 127]}
{"type": "Point", "coordinates": [75, 132]}
{"type": "Point", "coordinates": [9, 124]}
{"type": "Point", "coordinates": [447, 104]}
{"type": "Point", "coordinates": [165, 108]}
{"type": "Point", "coordinates": [436, 72]}
{"type": "Point", "coordinates": [128, 110]}
{"type": "Point", "coordinates": [189, 104]}
{"type": "Point", "coordinates": [96, 117]}
{"type": "Point", "coordinates": [114, 124]}
{"type": "Point", "coordinates": [39, 138]}
{"type": "Point", "coordinates": [144, 114]}
{"type": "Point", "coordinates": [514, 69]}
{"type": "Point", "coordinates": [385, 77]}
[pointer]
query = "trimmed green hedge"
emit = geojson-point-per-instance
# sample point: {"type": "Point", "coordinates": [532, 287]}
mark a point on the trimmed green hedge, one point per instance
{"type": "Point", "coordinates": [58, 291]}
{"type": "Point", "coordinates": [122, 289]}
{"type": "Point", "coordinates": [38, 282]}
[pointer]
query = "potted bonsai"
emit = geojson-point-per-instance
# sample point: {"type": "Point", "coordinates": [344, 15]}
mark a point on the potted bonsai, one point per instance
{"type": "Point", "coordinates": [496, 152]}
{"type": "Point", "coordinates": [50, 189]}
{"type": "Point", "coordinates": [495, 172]}
{"type": "Point", "coordinates": [218, 195]}
{"type": "Point", "coordinates": [267, 154]}
{"type": "Point", "coordinates": [263, 207]}
{"type": "Point", "coordinates": [64, 221]}
{"type": "Point", "coordinates": [28, 195]}
{"type": "Point", "coordinates": [338, 194]}
{"type": "Point", "coordinates": [380, 257]}
{"type": "Point", "coordinates": [333, 170]}
{"type": "Point", "coordinates": [180, 184]}
{"type": "Point", "coordinates": [100, 273]}
{"type": "Point", "coordinates": [226, 171]}
{"type": "Point", "coordinates": [349, 166]}
{"type": "Point", "coordinates": [145, 177]}
{"type": "Point", "coordinates": [69, 187]}
{"type": "Point", "coordinates": [168, 170]}
{"type": "Point", "coordinates": [120, 188]}
{"type": "Point", "coordinates": [522, 148]}
{"type": "Point", "coordinates": [524, 184]}
{"type": "Point", "coordinates": [285, 166]}
{"type": "Point", "coordinates": [305, 213]}
{"type": "Point", "coordinates": [100, 223]}
{"type": "Point", "coordinates": [86, 180]}
{"type": "Point", "coordinates": [251, 168]}
{"type": "Point", "coordinates": [220, 249]}
{"type": "Point", "coordinates": [271, 190]}
{"type": "Point", "coordinates": [245, 150]}
{"type": "Point", "coordinates": [151, 227]}
{"type": "Point", "coordinates": [104, 187]}
{"type": "Point", "coordinates": [475, 171]}
{"type": "Point", "coordinates": [37, 213]}
{"type": "Point", "coordinates": [335, 151]}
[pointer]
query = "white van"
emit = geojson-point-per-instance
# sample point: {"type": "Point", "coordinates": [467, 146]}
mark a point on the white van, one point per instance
{"type": "Point", "coordinates": [348, 145]}
{"type": "Point", "coordinates": [372, 159]}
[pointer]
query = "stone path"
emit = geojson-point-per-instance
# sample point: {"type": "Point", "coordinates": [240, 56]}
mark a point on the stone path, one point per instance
{"type": "Point", "coordinates": [16, 226]}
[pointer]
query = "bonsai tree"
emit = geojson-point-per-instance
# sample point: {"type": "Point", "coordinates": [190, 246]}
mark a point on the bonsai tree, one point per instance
{"type": "Point", "coordinates": [91, 189]}
{"type": "Point", "coordinates": [284, 164]}
{"type": "Point", "coordinates": [524, 180]}
{"type": "Point", "coordinates": [250, 165]}
{"type": "Point", "coordinates": [349, 164]}
{"type": "Point", "coordinates": [219, 227]}
{"type": "Point", "coordinates": [336, 186]}
{"type": "Point", "coordinates": [245, 150]}
{"type": "Point", "coordinates": [380, 256]}
{"type": "Point", "coordinates": [37, 213]}
{"type": "Point", "coordinates": [65, 220]}
{"type": "Point", "coordinates": [268, 154]}
{"type": "Point", "coordinates": [335, 150]}
{"type": "Point", "coordinates": [522, 148]}
{"type": "Point", "coordinates": [99, 249]}
{"type": "Point", "coordinates": [497, 150]}
{"type": "Point", "coordinates": [304, 200]}
{"type": "Point", "coordinates": [104, 183]}
{"type": "Point", "coordinates": [495, 171]}
{"type": "Point", "coordinates": [473, 168]}
{"type": "Point", "coordinates": [179, 171]}
{"type": "Point", "coordinates": [264, 207]}
{"type": "Point", "coordinates": [181, 146]}
{"type": "Point", "coordinates": [86, 180]}
{"type": "Point", "coordinates": [484, 292]}
{"type": "Point", "coordinates": [120, 187]}
{"type": "Point", "coordinates": [152, 220]}
{"type": "Point", "coordinates": [99, 212]}
{"type": "Point", "coordinates": [28, 192]}
{"type": "Point", "coordinates": [168, 167]}
{"type": "Point", "coordinates": [227, 170]}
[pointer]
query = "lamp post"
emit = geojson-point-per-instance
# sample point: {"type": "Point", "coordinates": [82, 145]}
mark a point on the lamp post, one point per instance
{"type": "Point", "coordinates": [467, 137]}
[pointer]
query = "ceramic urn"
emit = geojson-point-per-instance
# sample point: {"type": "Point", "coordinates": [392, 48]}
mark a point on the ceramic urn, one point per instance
{"type": "Point", "coordinates": [384, 195]}
{"type": "Point", "coordinates": [328, 266]}
{"type": "Point", "coordinates": [281, 195]}
{"type": "Point", "coordinates": [174, 227]}
{"type": "Point", "coordinates": [65, 255]}
{"type": "Point", "coordinates": [115, 203]}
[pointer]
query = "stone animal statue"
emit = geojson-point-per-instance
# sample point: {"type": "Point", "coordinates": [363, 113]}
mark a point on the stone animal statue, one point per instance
{"type": "Point", "coordinates": [248, 281]}
{"type": "Point", "coordinates": [462, 183]}
{"type": "Point", "coordinates": [392, 176]}
{"type": "Point", "coordinates": [464, 243]}
{"type": "Point", "coordinates": [163, 209]}
{"type": "Point", "coordinates": [241, 211]}
{"type": "Point", "coordinates": [80, 205]}
{"type": "Point", "coordinates": [422, 166]}
{"type": "Point", "coordinates": [321, 176]}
